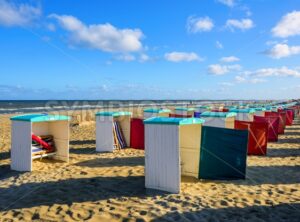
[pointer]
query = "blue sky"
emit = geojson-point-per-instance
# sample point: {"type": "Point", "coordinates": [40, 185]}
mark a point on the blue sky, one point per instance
{"type": "Point", "coordinates": [192, 49]}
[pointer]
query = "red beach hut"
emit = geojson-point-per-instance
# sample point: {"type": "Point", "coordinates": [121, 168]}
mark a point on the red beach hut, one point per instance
{"type": "Point", "coordinates": [282, 119]}
{"type": "Point", "coordinates": [273, 125]}
{"type": "Point", "coordinates": [289, 117]}
{"type": "Point", "coordinates": [257, 137]}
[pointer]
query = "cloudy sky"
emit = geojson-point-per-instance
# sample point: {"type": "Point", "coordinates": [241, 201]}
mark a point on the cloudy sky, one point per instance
{"type": "Point", "coordinates": [134, 49]}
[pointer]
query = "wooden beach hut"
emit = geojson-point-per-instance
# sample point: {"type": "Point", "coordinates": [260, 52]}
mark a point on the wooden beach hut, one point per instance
{"type": "Point", "coordinates": [260, 111]}
{"type": "Point", "coordinates": [219, 119]}
{"type": "Point", "coordinates": [243, 114]}
{"type": "Point", "coordinates": [257, 138]}
{"type": "Point", "coordinates": [112, 130]}
{"type": "Point", "coordinates": [172, 149]}
{"type": "Point", "coordinates": [36, 136]}
{"type": "Point", "coordinates": [273, 125]}
{"type": "Point", "coordinates": [152, 112]}
{"type": "Point", "coordinates": [184, 111]}
{"type": "Point", "coordinates": [137, 127]}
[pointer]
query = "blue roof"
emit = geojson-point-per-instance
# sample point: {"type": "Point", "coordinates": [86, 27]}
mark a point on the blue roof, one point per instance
{"type": "Point", "coordinates": [153, 110]}
{"type": "Point", "coordinates": [40, 118]}
{"type": "Point", "coordinates": [173, 121]}
{"type": "Point", "coordinates": [115, 114]}
{"type": "Point", "coordinates": [242, 110]}
{"type": "Point", "coordinates": [218, 114]}
{"type": "Point", "coordinates": [184, 109]}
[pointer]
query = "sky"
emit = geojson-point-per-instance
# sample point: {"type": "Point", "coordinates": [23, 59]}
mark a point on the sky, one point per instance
{"type": "Point", "coordinates": [138, 49]}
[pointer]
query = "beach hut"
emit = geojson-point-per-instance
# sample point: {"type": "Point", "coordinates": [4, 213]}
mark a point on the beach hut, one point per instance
{"type": "Point", "coordinates": [36, 136]}
{"type": "Point", "coordinates": [219, 119]}
{"type": "Point", "coordinates": [112, 130]}
{"type": "Point", "coordinates": [273, 125]}
{"type": "Point", "coordinates": [282, 119]}
{"type": "Point", "coordinates": [289, 116]}
{"type": "Point", "coordinates": [243, 114]}
{"type": "Point", "coordinates": [152, 112]}
{"type": "Point", "coordinates": [257, 138]}
{"type": "Point", "coordinates": [172, 149]}
{"type": "Point", "coordinates": [202, 109]}
{"type": "Point", "coordinates": [223, 153]}
{"type": "Point", "coordinates": [259, 111]}
{"type": "Point", "coordinates": [184, 111]}
{"type": "Point", "coordinates": [137, 126]}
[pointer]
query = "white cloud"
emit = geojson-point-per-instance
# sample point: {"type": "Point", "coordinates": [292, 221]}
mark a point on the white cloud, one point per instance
{"type": "Point", "coordinates": [229, 3]}
{"type": "Point", "coordinates": [244, 79]}
{"type": "Point", "coordinates": [199, 24]}
{"type": "Point", "coordinates": [104, 37]}
{"type": "Point", "coordinates": [182, 57]}
{"type": "Point", "coordinates": [219, 45]}
{"type": "Point", "coordinates": [126, 57]}
{"type": "Point", "coordinates": [226, 84]}
{"type": "Point", "coordinates": [51, 27]}
{"type": "Point", "coordinates": [282, 50]}
{"type": "Point", "coordinates": [269, 72]}
{"type": "Point", "coordinates": [217, 69]}
{"type": "Point", "coordinates": [242, 24]}
{"type": "Point", "coordinates": [144, 57]}
{"type": "Point", "coordinates": [289, 25]}
{"type": "Point", "coordinates": [229, 59]}
{"type": "Point", "coordinates": [240, 79]}
{"type": "Point", "coordinates": [17, 15]}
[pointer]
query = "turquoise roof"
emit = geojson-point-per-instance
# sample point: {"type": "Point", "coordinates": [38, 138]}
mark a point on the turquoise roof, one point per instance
{"type": "Point", "coordinates": [184, 109]}
{"type": "Point", "coordinates": [115, 114]}
{"type": "Point", "coordinates": [242, 110]}
{"type": "Point", "coordinates": [259, 109]}
{"type": "Point", "coordinates": [204, 107]}
{"type": "Point", "coordinates": [40, 118]}
{"type": "Point", "coordinates": [218, 114]}
{"type": "Point", "coordinates": [173, 121]}
{"type": "Point", "coordinates": [230, 107]}
{"type": "Point", "coordinates": [152, 110]}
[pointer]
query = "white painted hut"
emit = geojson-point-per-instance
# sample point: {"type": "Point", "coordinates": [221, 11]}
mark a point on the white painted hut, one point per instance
{"type": "Point", "coordinates": [151, 112]}
{"type": "Point", "coordinates": [219, 119]}
{"type": "Point", "coordinates": [243, 114]}
{"type": "Point", "coordinates": [105, 136]}
{"type": "Point", "coordinates": [184, 111]}
{"type": "Point", "coordinates": [22, 151]}
{"type": "Point", "coordinates": [172, 149]}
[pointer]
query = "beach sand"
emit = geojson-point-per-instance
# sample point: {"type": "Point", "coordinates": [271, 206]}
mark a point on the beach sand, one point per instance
{"type": "Point", "coordinates": [110, 186]}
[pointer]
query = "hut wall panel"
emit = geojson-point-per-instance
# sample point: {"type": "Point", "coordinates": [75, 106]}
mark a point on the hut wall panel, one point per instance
{"type": "Point", "coordinates": [190, 141]}
{"type": "Point", "coordinates": [104, 134]}
{"type": "Point", "coordinates": [215, 122]}
{"type": "Point", "coordinates": [60, 132]}
{"type": "Point", "coordinates": [125, 127]}
{"type": "Point", "coordinates": [162, 168]}
{"type": "Point", "coordinates": [21, 159]}
{"type": "Point", "coordinates": [229, 122]}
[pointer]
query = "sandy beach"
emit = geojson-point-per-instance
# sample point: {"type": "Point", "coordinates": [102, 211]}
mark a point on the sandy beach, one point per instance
{"type": "Point", "coordinates": [110, 186]}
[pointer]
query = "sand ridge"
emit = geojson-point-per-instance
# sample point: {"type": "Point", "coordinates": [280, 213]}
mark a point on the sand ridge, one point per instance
{"type": "Point", "coordinates": [110, 186]}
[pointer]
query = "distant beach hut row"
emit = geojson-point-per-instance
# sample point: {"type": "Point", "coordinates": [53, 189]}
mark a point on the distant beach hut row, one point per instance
{"type": "Point", "coordinates": [195, 142]}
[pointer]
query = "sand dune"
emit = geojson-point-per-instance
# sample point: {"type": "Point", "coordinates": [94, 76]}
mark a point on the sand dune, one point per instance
{"type": "Point", "coordinates": [110, 186]}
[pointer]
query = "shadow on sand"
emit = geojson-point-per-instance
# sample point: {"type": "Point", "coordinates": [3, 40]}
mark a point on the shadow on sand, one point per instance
{"type": "Point", "coordinates": [4, 155]}
{"type": "Point", "coordinates": [74, 191]}
{"type": "Point", "coordinates": [112, 162]}
{"type": "Point", "coordinates": [283, 152]}
{"type": "Point", "coordinates": [82, 142]}
{"type": "Point", "coordinates": [281, 212]}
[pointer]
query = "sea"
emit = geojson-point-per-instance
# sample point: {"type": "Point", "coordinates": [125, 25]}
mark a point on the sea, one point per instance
{"type": "Point", "coordinates": [29, 106]}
